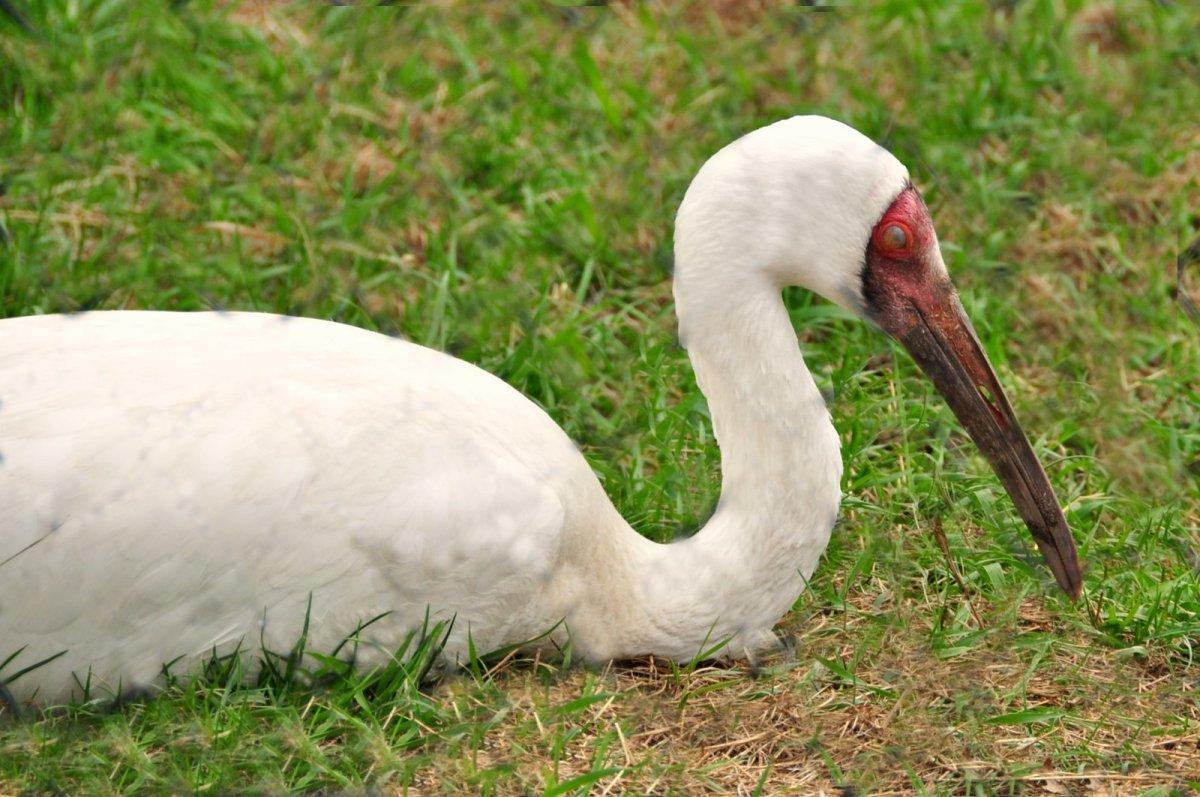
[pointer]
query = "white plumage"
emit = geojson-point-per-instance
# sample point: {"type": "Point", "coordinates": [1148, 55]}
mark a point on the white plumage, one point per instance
{"type": "Point", "coordinates": [178, 484]}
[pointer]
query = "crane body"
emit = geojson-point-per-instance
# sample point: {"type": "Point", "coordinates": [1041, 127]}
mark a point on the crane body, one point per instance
{"type": "Point", "coordinates": [178, 485]}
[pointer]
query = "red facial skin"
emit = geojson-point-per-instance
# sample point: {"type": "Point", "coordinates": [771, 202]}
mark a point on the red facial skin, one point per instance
{"type": "Point", "coordinates": [893, 278]}
{"type": "Point", "coordinates": [901, 285]}
{"type": "Point", "coordinates": [909, 294]}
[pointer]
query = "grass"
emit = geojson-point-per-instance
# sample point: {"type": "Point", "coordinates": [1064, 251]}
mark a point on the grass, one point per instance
{"type": "Point", "coordinates": [500, 184]}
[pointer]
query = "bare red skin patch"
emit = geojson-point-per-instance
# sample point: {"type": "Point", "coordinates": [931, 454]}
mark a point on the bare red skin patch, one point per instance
{"type": "Point", "coordinates": [903, 285]}
{"type": "Point", "coordinates": [895, 279]}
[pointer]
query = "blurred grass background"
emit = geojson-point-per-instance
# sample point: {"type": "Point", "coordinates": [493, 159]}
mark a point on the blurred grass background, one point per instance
{"type": "Point", "coordinates": [500, 182]}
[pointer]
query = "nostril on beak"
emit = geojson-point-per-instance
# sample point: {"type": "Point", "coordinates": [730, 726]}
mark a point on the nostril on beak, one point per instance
{"type": "Point", "coordinates": [990, 401]}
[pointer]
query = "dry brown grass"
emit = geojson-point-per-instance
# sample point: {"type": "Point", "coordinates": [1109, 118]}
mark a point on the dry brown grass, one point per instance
{"type": "Point", "coordinates": [1111, 28]}
{"type": "Point", "coordinates": [1130, 722]}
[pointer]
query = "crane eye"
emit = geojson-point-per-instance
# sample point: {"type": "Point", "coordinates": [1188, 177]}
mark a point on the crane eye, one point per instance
{"type": "Point", "coordinates": [894, 237]}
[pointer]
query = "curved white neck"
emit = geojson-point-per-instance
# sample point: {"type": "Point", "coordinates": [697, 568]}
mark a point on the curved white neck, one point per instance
{"type": "Point", "coordinates": [781, 468]}
{"type": "Point", "coordinates": [792, 203]}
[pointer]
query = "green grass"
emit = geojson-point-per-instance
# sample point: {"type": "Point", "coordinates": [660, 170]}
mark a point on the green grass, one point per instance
{"type": "Point", "coordinates": [501, 184]}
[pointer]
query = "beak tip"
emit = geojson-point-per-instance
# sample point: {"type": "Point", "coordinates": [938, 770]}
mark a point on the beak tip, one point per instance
{"type": "Point", "coordinates": [1064, 563]}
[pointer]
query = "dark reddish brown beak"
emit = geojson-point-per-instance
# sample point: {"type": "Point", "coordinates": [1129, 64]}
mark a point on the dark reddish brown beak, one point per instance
{"type": "Point", "coordinates": [937, 333]}
{"type": "Point", "coordinates": [908, 293]}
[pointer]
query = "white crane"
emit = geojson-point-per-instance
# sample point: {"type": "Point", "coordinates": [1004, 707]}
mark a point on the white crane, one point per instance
{"type": "Point", "coordinates": [175, 484]}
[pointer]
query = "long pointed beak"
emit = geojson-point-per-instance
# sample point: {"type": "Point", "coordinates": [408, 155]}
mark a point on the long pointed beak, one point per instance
{"type": "Point", "coordinates": [944, 345]}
